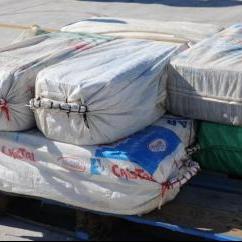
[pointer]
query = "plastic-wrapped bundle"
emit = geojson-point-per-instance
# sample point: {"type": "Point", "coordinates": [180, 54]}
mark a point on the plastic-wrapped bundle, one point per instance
{"type": "Point", "coordinates": [205, 81]}
{"type": "Point", "coordinates": [220, 148]}
{"type": "Point", "coordinates": [19, 65]}
{"type": "Point", "coordinates": [145, 29]}
{"type": "Point", "coordinates": [132, 176]}
{"type": "Point", "coordinates": [104, 94]}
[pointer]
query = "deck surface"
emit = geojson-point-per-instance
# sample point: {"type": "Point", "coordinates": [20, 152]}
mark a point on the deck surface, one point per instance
{"type": "Point", "coordinates": [16, 230]}
{"type": "Point", "coordinates": [214, 213]}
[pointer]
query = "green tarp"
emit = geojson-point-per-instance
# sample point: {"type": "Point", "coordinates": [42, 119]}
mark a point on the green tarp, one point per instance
{"type": "Point", "coordinates": [221, 148]}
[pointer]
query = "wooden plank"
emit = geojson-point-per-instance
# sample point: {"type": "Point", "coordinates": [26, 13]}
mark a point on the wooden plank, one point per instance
{"type": "Point", "coordinates": [204, 210]}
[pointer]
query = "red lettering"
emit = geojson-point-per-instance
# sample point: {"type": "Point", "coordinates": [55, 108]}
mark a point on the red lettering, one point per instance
{"type": "Point", "coordinates": [128, 174]}
{"type": "Point", "coordinates": [115, 169]}
{"type": "Point", "coordinates": [132, 174]}
{"type": "Point", "coordinates": [18, 153]}
{"type": "Point", "coordinates": [123, 173]}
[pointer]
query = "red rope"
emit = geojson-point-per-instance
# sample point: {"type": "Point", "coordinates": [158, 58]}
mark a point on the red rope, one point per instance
{"type": "Point", "coordinates": [165, 187]}
{"type": "Point", "coordinates": [4, 108]}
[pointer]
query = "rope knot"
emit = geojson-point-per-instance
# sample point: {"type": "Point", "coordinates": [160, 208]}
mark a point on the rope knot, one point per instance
{"type": "Point", "coordinates": [4, 108]}
{"type": "Point", "coordinates": [166, 186]}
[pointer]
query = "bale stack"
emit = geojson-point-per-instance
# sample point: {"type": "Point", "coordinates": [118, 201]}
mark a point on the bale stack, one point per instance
{"type": "Point", "coordinates": [99, 101]}
{"type": "Point", "coordinates": [205, 84]}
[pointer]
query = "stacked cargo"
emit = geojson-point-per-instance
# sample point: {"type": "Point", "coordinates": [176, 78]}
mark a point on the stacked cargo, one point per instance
{"type": "Point", "coordinates": [103, 141]}
{"type": "Point", "coordinates": [204, 81]}
{"type": "Point", "coordinates": [99, 102]}
{"type": "Point", "coordinates": [205, 84]}
{"type": "Point", "coordinates": [21, 62]}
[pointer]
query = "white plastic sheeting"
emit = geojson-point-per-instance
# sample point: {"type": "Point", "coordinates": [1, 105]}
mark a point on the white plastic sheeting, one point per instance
{"type": "Point", "coordinates": [145, 29]}
{"type": "Point", "coordinates": [205, 81]}
{"type": "Point", "coordinates": [132, 176]}
{"type": "Point", "coordinates": [104, 94]}
{"type": "Point", "coordinates": [19, 65]}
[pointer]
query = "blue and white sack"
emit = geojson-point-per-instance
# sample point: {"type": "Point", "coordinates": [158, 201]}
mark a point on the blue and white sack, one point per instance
{"type": "Point", "coordinates": [132, 176]}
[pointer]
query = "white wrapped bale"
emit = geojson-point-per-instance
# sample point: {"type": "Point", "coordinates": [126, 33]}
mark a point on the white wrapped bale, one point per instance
{"type": "Point", "coordinates": [19, 65]}
{"type": "Point", "coordinates": [104, 94]}
{"type": "Point", "coordinates": [132, 176]}
{"type": "Point", "coordinates": [145, 29]}
{"type": "Point", "coordinates": [205, 81]}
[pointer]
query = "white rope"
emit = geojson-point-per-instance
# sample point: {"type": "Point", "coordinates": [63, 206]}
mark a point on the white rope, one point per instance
{"type": "Point", "coordinates": [23, 27]}
{"type": "Point", "coordinates": [56, 105]}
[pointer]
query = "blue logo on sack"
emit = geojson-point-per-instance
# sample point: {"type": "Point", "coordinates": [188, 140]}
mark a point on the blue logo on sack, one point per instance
{"type": "Point", "coordinates": [146, 148]}
{"type": "Point", "coordinates": [96, 167]}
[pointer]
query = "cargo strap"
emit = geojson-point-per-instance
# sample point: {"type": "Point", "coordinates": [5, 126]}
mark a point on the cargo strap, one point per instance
{"type": "Point", "coordinates": [56, 105]}
{"type": "Point", "coordinates": [4, 108]}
